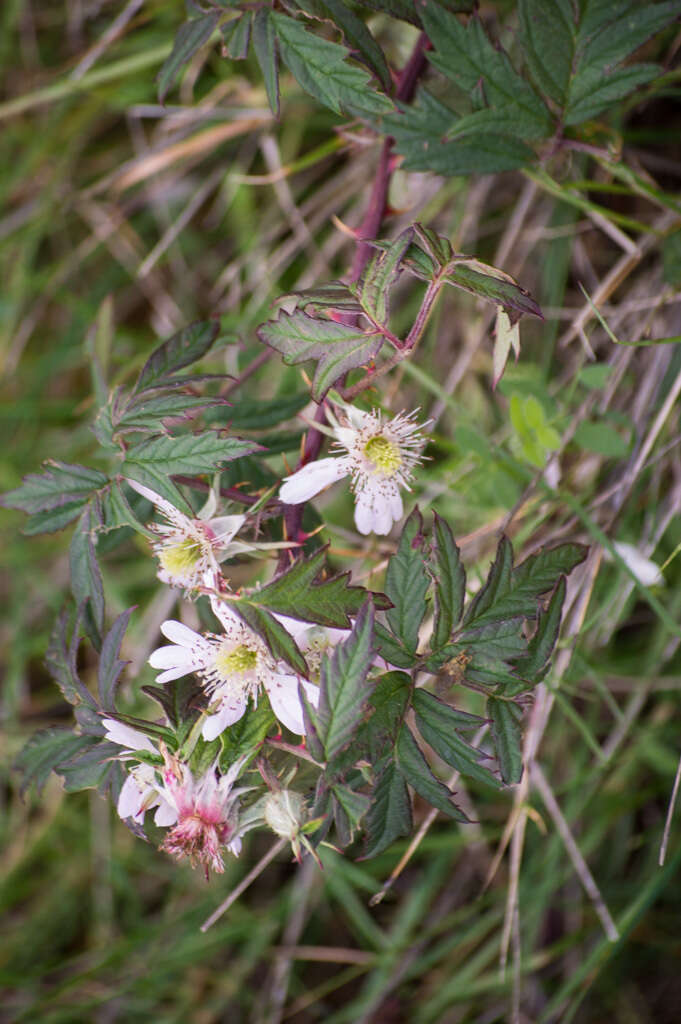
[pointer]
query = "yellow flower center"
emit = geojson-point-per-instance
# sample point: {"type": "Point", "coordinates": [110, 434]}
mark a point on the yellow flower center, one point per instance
{"type": "Point", "coordinates": [239, 659]}
{"type": "Point", "coordinates": [180, 558]}
{"type": "Point", "coordinates": [384, 454]}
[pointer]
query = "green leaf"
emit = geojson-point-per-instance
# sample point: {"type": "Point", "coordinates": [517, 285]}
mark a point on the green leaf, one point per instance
{"type": "Point", "coordinates": [299, 593]}
{"type": "Point", "coordinates": [505, 718]}
{"type": "Point", "coordinates": [548, 36]}
{"type": "Point", "coordinates": [334, 295]}
{"type": "Point", "coordinates": [354, 806]}
{"type": "Point", "coordinates": [92, 768]}
{"type": "Point", "coordinates": [406, 583]}
{"type": "Point", "coordinates": [279, 641]}
{"type": "Point", "coordinates": [157, 479]}
{"type": "Point", "coordinates": [391, 649]}
{"type": "Point", "coordinates": [593, 93]}
{"type": "Point", "coordinates": [117, 513]}
{"type": "Point", "coordinates": [337, 348]}
{"type": "Point", "coordinates": [466, 56]}
{"type": "Point", "coordinates": [110, 666]}
{"type": "Point", "coordinates": [437, 722]}
{"type": "Point", "coordinates": [182, 349]}
{"type": "Point", "coordinates": [61, 660]}
{"type": "Point", "coordinates": [539, 573]}
{"type": "Point", "coordinates": [498, 583]}
{"type": "Point", "coordinates": [62, 484]}
{"type": "Point", "coordinates": [322, 70]}
{"type": "Point", "coordinates": [389, 701]}
{"type": "Point", "coordinates": [344, 687]}
{"type": "Point", "coordinates": [540, 648]}
{"type": "Point", "coordinates": [356, 34]}
{"type": "Point", "coordinates": [255, 414]}
{"type": "Point", "coordinates": [489, 283]}
{"type": "Point", "coordinates": [236, 36]}
{"type": "Point", "coordinates": [86, 577]}
{"type": "Point", "coordinates": [52, 520]}
{"type": "Point", "coordinates": [45, 751]}
{"type": "Point", "coordinates": [246, 735]}
{"type": "Point", "coordinates": [189, 453]}
{"type": "Point", "coordinates": [450, 581]}
{"type": "Point", "coordinates": [389, 815]}
{"type": "Point", "coordinates": [180, 700]}
{"type": "Point", "coordinates": [380, 275]}
{"type": "Point", "coordinates": [190, 37]}
{"type": "Point", "coordinates": [147, 411]}
{"type": "Point", "coordinates": [601, 438]}
{"type": "Point", "coordinates": [414, 769]}
{"type": "Point", "coordinates": [264, 45]}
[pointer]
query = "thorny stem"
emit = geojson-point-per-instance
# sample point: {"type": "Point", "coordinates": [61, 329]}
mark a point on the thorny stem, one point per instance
{"type": "Point", "coordinates": [366, 232]}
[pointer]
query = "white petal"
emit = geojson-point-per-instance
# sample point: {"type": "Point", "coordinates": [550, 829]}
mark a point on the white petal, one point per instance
{"type": "Point", "coordinates": [180, 634]}
{"type": "Point", "coordinates": [208, 508]}
{"type": "Point", "coordinates": [283, 693]}
{"type": "Point", "coordinates": [165, 814]}
{"type": "Point", "coordinates": [126, 737]}
{"type": "Point", "coordinates": [164, 506]}
{"type": "Point", "coordinates": [224, 613]}
{"type": "Point", "coordinates": [173, 673]}
{"type": "Point", "coordinates": [312, 479]}
{"type": "Point", "coordinates": [130, 800]}
{"type": "Point", "coordinates": [172, 657]}
{"type": "Point", "coordinates": [364, 512]}
{"type": "Point", "coordinates": [235, 846]}
{"type": "Point", "coordinates": [226, 716]}
{"type": "Point", "coordinates": [396, 506]}
{"type": "Point", "coordinates": [645, 571]}
{"type": "Point", "coordinates": [225, 527]}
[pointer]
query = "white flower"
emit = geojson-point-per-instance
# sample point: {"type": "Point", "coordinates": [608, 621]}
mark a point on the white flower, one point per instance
{"type": "Point", "coordinates": [140, 791]}
{"type": "Point", "coordinates": [378, 454]}
{"type": "Point", "coordinates": [314, 641]}
{"type": "Point", "coordinates": [233, 667]}
{"type": "Point", "coordinates": [189, 550]}
{"type": "Point", "coordinates": [206, 814]}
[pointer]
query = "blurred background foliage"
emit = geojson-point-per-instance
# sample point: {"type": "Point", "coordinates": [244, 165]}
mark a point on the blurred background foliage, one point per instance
{"type": "Point", "coordinates": [123, 220]}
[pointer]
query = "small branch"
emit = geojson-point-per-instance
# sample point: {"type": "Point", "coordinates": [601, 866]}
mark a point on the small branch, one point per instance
{"type": "Point", "coordinates": [244, 884]}
{"type": "Point", "coordinates": [670, 815]}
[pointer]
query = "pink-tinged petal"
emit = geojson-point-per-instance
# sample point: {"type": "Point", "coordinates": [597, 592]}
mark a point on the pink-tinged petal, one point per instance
{"type": "Point", "coordinates": [180, 634]}
{"type": "Point", "coordinates": [226, 716]}
{"type": "Point", "coordinates": [172, 657]}
{"type": "Point", "coordinates": [312, 479]}
{"type": "Point", "coordinates": [126, 737]}
{"type": "Point", "coordinates": [130, 800]}
{"type": "Point", "coordinates": [283, 693]}
{"type": "Point", "coordinates": [165, 814]}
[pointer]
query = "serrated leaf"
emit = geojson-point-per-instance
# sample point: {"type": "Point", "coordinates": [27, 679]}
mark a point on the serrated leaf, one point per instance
{"type": "Point", "coordinates": [157, 479]}
{"type": "Point", "coordinates": [189, 38]}
{"type": "Point", "coordinates": [374, 286]}
{"type": "Point", "coordinates": [390, 814]}
{"type": "Point", "coordinates": [117, 512]}
{"type": "Point", "coordinates": [344, 687]}
{"type": "Point", "coordinates": [406, 583]}
{"type": "Point", "coordinates": [86, 577]}
{"type": "Point", "coordinates": [189, 453]}
{"type": "Point", "coordinates": [146, 412]}
{"type": "Point", "coordinates": [62, 483]}
{"type": "Point", "coordinates": [236, 36]}
{"type": "Point", "coordinates": [322, 70]}
{"type": "Point", "coordinates": [498, 583]}
{"type": "Point", "coordinates": [490, 283]}
{"type": "Point", "coordinates": [265, 49]}
{"type": "Point", "coordinates": [539, 573]}
{"type": "Point", "coordinates": [91, 768]}
{"type": "Point", "coordinates": [391, 649]}
{"type": "Point", "coordinates": [337, 348]}
{"type": "Point", "coordinates": [182, 349]}
{"type": "Point", "coordinates": [545, 637]}
{"type": "Point", "coordinates": [389, 701]}
{"type": "Point", "coordinates": [414, 769]}
{"type": "Point", "coordinates": [179, 699]}
{"type": "Point", "coordinates": [299, 592]}
{"type": "Point", "coordinates": [354, 806]}
{"type": "Point", "coordinates": [505, 727]}
{"type": "Point", "coordinates": [465, 55]}
{"type": "Point", "coordinates": [437, 722]}
{"type": "Point", "coordinates": [52, 520]}
{"type": "Point", "coordinates": [246, 735]}
{"type": "Point", "coordinates": [355, 33]}
{"type": "Point", "coordinates": [261, 414]}
{"type": "Point", "coordinates": [45, 751]}
{"type": "Point", "coordinates": [548, 36]}
{"type": "Point", "coordinates": [110, 666]}
{"type": "Point", "coordinates": [61, 658]}
{"type": "Point", "coordinates": [593, 92]}
{"type": "Point", "coordinates": [450, 581]}
{"type": "Point", "coordinates": [278, 640]}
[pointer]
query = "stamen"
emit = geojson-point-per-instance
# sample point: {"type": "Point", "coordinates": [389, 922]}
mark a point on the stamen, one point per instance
{"type": "Point", "coordinates": [384, 454]}
{"type": "Point", "coordinates": [181, 557]}
{"type": "Point", "coordinates": [235, 661]}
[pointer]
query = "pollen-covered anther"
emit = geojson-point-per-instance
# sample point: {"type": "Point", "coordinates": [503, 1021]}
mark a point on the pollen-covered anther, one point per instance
{"type": "Point", "coordinates": [181, 557]}
{"type": "Point", "coordinates": [385, 454]}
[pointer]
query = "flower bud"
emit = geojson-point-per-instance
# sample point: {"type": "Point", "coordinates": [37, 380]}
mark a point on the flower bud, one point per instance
{"type": "Point", "coordinates": [284, 812]}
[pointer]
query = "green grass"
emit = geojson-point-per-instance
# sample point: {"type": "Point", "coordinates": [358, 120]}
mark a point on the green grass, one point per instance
{"type": "Point", "coordinates": [100, 926]}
